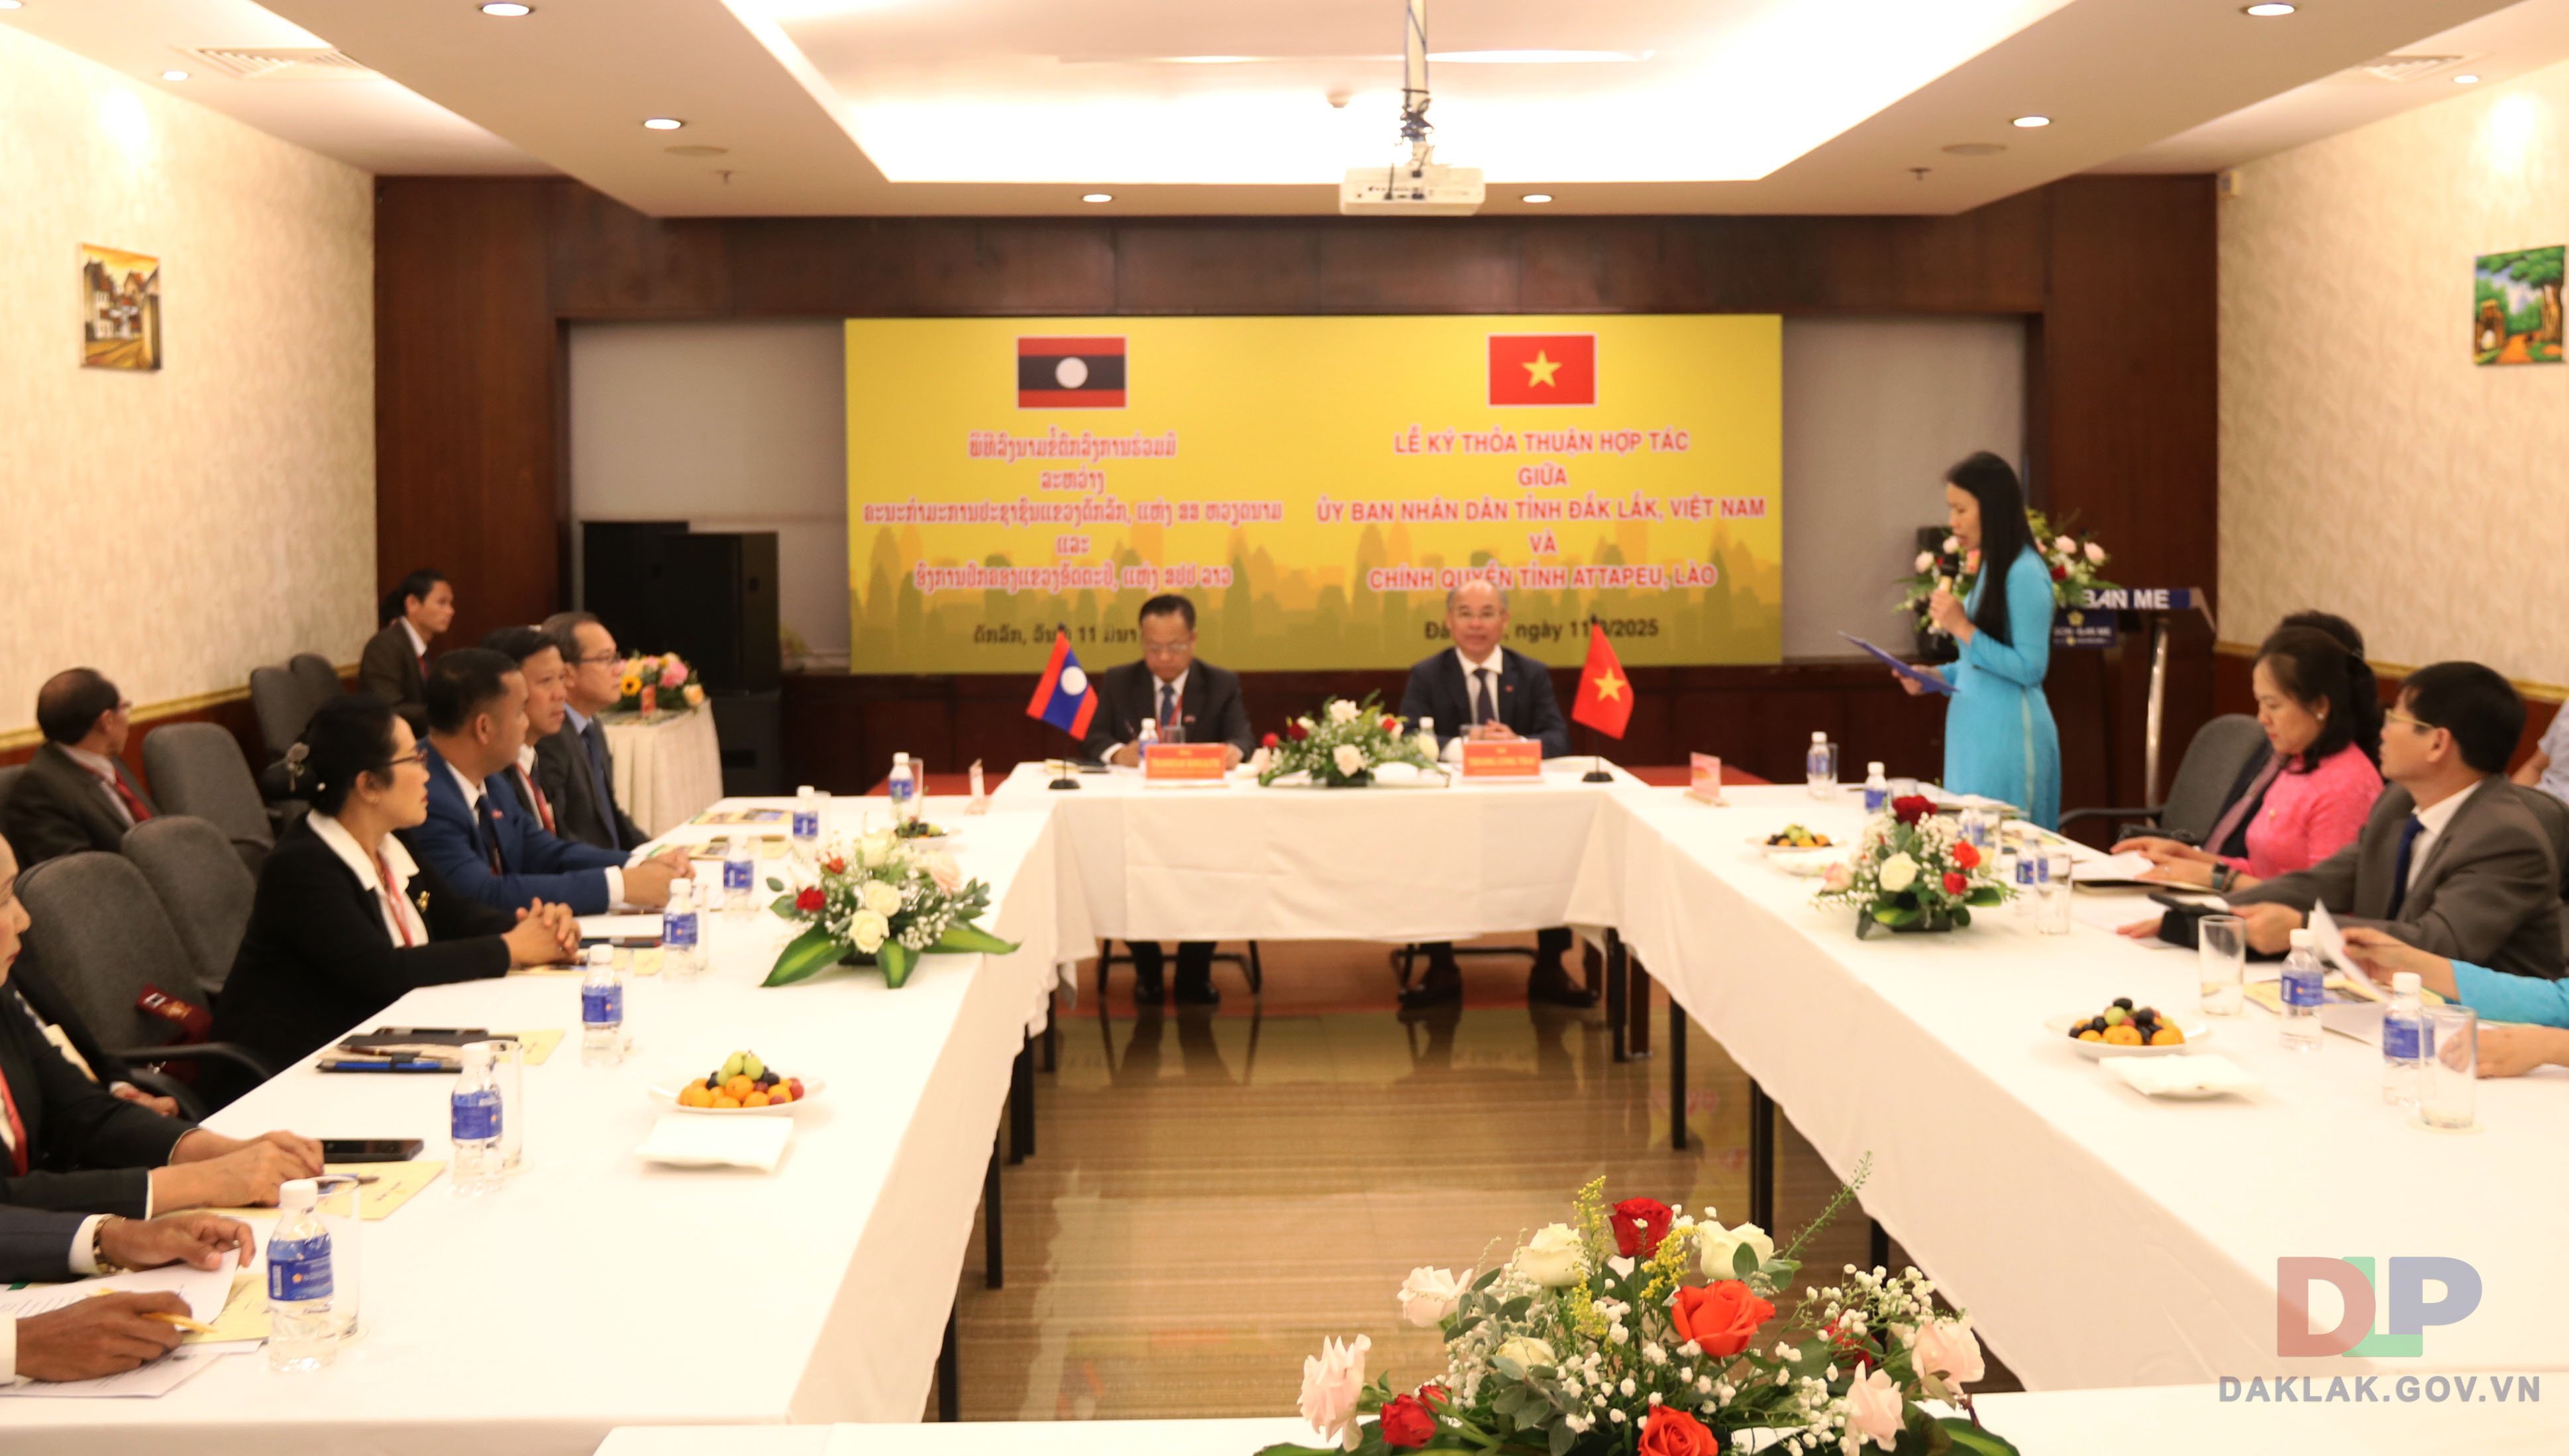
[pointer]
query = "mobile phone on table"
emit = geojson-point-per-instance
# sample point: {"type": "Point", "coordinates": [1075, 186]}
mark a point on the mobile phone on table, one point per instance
{"type": "Point", "coordinates": [370, 1149]}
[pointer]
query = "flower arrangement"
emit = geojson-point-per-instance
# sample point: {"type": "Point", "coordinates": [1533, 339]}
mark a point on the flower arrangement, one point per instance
{"type": "Point", "coordinates": [644, 680]}
{"type": "Point", "coordinates": [1914, 871]}
{"type": "Point", "coordinates": [1341, 746]}
{"type": "Point", "coordinates": [1638, 1328]}
{"type": "Point", "coordinates": [2073, 561]}
{"type": "Point", "coordinates": [881, 900]}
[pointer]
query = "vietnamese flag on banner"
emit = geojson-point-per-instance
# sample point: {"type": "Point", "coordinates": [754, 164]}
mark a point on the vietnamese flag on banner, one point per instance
{"type": "Point", "coordinates": [1542, 369]}
{"type": "Point", "coordinates": [1604, 694]}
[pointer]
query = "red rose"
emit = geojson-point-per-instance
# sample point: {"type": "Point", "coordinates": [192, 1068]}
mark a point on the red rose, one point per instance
{"type": "Point", "coordinates": [810, 899]}
{"type": "Point", "coordinates": [836, 864]}
{"type": "Point", "coordinates": [1391, 725]}
{"type": "Point", "coordinates": [1955, 882]}
{"type": "Point", "coordinates": [2060, 573]}
{"type": "Point", "coordinates": [1672, 1432]}
{"type": "Point", "coordinates": [1406, 1423]}
{"type": "Point", "coordinates": [1267, 742]}
{"type": "Point", "coordinates": [1911, 808]}
{"type": "Point", "coordinates": [1639, 1223]}
{"type": "Point", "coordinates": [1436, 1396]}
{"type": "Point", "coordinates": [1298, 731]}
{"type": "Point", "coordinates": [1722, 1318]}
{"type": "Point", "coordinates": [1966, 855]}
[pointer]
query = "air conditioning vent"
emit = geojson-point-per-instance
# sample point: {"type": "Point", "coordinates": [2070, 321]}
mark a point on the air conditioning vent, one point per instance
{"type": "Point", "coordinates": [2408, 67]}
{"type": "Point", "coordinates": [281, 62]}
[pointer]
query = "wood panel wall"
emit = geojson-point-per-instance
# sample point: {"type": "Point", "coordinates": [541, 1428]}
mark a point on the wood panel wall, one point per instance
{"type": "Point", "coordinates": [477, 279]}
{"type": "Point", "coordinates": [2232, 693]}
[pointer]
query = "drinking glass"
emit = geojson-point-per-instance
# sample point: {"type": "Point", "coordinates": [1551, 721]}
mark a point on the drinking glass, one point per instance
{"type": "Point", "coordinates": [509, 1068]}
{"type": "Point", "coordinates": [2052, 894]}
{"type": "Point", "coordinates": [341, 1213]}
{"type": "Point", "coordinates": [2221, 957]}
{"type": "Point", "coordinates": [2449, 1088]}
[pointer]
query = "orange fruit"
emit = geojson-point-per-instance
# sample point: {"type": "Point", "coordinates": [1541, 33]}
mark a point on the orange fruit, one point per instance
{"type": "Point", "coordinates": [726, 1100]}
{"type": "Point", "coordinates": [739, 1087]}
{"type": "Point", "coordinates": [691, 1095]}
{"type": "Point", "coordinates": [2092, 1036]}
{"type": "Point", "coordinates": [754, 1099]}
{"type": "Point", "coordinates": [2168, 1036]}
{"type": "Point", "coordinates": [780, 1093]}
{"type": "Point", "coordinates": [2124, 1033]}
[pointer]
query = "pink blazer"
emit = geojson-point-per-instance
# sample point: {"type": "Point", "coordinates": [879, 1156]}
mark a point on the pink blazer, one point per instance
{"type": "Point", "coordinates": [2307, 817]}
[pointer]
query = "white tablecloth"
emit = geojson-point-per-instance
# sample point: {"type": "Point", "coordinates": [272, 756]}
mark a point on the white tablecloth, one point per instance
{"type": "Point", "coordinates": [668, 767]}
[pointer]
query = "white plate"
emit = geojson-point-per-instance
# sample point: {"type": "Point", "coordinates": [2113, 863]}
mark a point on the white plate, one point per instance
{"type": "Point", "coordinates": [664, 1091]}
{"type": "Point", "coordinates": [1809, 863]}
{"type": "Point", "coordinates": [2196, 1032]}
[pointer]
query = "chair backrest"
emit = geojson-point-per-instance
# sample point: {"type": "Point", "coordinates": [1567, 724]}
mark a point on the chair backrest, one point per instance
{"type": "Point", "coordinates": [9, 779]}
{"type": "Point", "coordinates": [102, 937]}
{"type": "Point", "coordinates": [197, 769]}
{"type": "Point", "coordinates": [284, 705]}
{"type": "Point", "coordinates": [202, 886]}
{"type": "Point", "coordinates": [2554, 818]}
{"type": "Point", "coordinates": [2221, 751]}
{"type": "Point", "coordinates": [319, 679]}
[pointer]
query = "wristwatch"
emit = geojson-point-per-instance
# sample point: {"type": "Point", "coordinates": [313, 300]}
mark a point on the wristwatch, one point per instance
{"type": "Point", "coordinates": [2223, 877]}
{"type": "Point", "coordinates": [98, 1247]}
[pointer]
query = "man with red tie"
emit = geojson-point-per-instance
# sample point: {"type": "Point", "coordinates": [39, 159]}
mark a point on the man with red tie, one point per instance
{"type": "Point", "coordinates": [394, 665]}
{"type": "Point", "coordinates": [76, 794]}
{"type": "Point", "coordinates": [540, 658]}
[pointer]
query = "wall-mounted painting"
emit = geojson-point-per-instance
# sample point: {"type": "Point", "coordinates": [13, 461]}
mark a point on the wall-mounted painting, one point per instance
{"type": "Point", "coordinates": [2515, 306]}
{"type": "Point", "coordinates": [119, 309]}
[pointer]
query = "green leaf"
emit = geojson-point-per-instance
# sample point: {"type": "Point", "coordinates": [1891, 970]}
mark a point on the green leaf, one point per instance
{"type": "Point", "coordinates": [1987, 894]}
{"type": "Point", "coordinates": [962, 940]}
{"type": "Point", "coordinates": [1486, 1280]}
{"type": "Point", "coordinates": [897, 962]}
{"type": "Point", "coordinates": [803, 957]}
{"type": "Point", "coordinates": [783, 904]}
{"type": "Point", "coordinates": [1975, 1439]}
{"type": "Point", "coordinates": [775, 884]}
{"type": "Point", "coordinates": [1743, 1262]}
{"type": "Point", "coordinates": [1563, 1437]}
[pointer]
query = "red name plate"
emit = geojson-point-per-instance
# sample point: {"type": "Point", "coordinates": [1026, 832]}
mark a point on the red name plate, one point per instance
{"type": "Point", "coordinates": [1704, 782]}
{"type": "Point", "coordinates": [1182, 763]}
{"type": "Point", "coordinates": [1521, 759]}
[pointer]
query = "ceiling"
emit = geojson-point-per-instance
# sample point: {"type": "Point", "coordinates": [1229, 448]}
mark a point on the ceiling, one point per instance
{"type": "Point", "coordinates": [1019, 107]}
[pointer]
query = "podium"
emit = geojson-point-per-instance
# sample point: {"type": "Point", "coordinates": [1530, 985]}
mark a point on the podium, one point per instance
{"type": "Point", "coordinates": [2102, 619]}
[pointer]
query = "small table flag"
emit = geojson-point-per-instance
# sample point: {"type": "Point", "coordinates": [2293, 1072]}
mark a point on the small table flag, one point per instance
{"type": "Point", "coordinates": [1604, 694]}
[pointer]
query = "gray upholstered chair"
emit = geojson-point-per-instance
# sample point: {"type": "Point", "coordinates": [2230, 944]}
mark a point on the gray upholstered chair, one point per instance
{"type": "Point", "coordinates": [197, 769]}
{"type": "Point", "coordinates": [319, 679]}
{"type": "Point", "coordinates": [9, 779]}
{"type": "Point", "coordinates": [103, 939]}
{"type": "Point", "coordinates": [202, 885]}
{"type": "Point", "coordinates": [283, 703]}
{"type": "Point", "coordinates": [2214, 762]}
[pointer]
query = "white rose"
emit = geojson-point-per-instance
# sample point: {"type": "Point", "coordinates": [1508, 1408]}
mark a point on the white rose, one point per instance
{"type": "Point", "coordinates": [1721, 1246]}
{"type": "Point", "coordinates": [1522, 1352]}
{"type": "Point", "coordinates": [1333, 1381]}
{"type": "Point", "coordinates": [881, 897]}
{"type": "Point", "coordinates": [875, 850]}
{"type": "Point", "coordinates": [1341, 711]}
{"type": "Point", "coordinates": [1946, 1356]}
{"type": "Point", "coordinates": [1953, 543]}
{"type": "Point", "coordinates": [1552, 1258]}
{"type": "Point", "coordinates": [1897, 872]}
{"type": "Point", "coordinates": [1429, 1295]}
{"type": "Point", "coordinates": [866, 931]}
{"type": "Point", "coordinates": [2066, 547]}
{"type": "Point", "coordinates": [1926, 562]}
{"type": "Point", "coordinates": [1348, 758]}
{"type": "Point", "coordinates": [2095, 553]}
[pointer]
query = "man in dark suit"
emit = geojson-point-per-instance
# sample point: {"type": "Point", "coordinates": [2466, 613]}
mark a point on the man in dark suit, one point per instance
{"type": "Point", "coordinates": [56, 1014]}
{"type": "Point", "coordinates": [394, 664]}
{"type": "Point", "coordinates": [1187, 702]}
{"type": "Point", "coordinates": [573, 762]}
{"type": "Point", "coordinates": [476, 837]}
{"type": "Point", "coordinates": [2452, 861]}
{"type": "Point", "coordinates": [541, 661]}
{"type": "Point", "coordinates": [76, 794]}
{"type": "Point", "coordinates": [109, 1334]}
{"type": "Point", "coordinates": [1486, 692]}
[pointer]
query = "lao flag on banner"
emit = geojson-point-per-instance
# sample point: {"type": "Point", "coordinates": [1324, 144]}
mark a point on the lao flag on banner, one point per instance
{"type": "Point", "coordinates": [1542, 369]}
{"type": "Point", "coordinates": [1070, 373]}
{"type": "Point", "coordinates": [1063, 698]}
{"type": "Point", "coordinates": [1604, 694]}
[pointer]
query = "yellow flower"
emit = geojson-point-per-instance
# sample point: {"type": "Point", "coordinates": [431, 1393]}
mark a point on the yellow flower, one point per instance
{"type": "Point", "coordinates": [632, 686]}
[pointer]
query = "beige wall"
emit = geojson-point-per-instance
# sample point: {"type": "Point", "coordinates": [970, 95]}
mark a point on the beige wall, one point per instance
{"type": "Point", "coordinates": [2367, 466]}
{"type": "Point", "coordinates": [175, 528]}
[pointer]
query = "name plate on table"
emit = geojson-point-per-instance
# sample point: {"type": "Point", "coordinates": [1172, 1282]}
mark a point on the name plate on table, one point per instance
{"type": "Point", "coordinates": [1520, 760]}
{"type": "Point", "coordinates": [1704, 779]}
{"type": "Point", "coordinates": [1182, 763]}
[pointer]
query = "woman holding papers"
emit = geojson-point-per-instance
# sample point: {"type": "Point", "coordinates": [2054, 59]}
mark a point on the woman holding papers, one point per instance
{"type": "Point", "coordinates": [346, 921]}
{"type": "Point", "coordinates": [2505, 1051]}
{"type": "Point", "coordinates": [1999, 740]}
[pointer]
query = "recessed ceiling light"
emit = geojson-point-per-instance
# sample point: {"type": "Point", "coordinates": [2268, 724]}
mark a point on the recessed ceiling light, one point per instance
{"type": "Point", "coordinates": [1097, 196]}
{"type": "Point", "coordinates": [662, 124]}
{"type": "Point", "coordinates": [1535, 198]}
{"type": "Point", "coordinates": [173, 75]}
{"type": "Point", "coordinates": [2030, 123]}
{"type": "Point", "coordinates": [2466, 79]}
{"type": "Point", "coordinates": [2265, 9]}
{"type": "Point", "coordinates": [507, 8]}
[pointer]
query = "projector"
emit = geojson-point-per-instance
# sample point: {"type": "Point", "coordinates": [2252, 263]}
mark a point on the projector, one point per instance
{"type": "Point", "coordinates": [1411, 190]}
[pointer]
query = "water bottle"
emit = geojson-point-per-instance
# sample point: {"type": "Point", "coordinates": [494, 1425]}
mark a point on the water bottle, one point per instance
{"type": "Point", "coordinates": [474, 1124]}
{"type": "Point", "coordinates": [2305, 987]}
{"type": "Point", "coordinates": [2403, 1042]}
{"type": "Point", "coordinates": [302, 1332]}
{"type": "Point", "coordinates": [679, 955]}
{"type": "Point", "coordinates": [807, 830]}
{"type": "Point", "coordinates": [1426, 737]}
{"type": "Point", "coordinates": [740, 870]}
{"type": "Point", "coordinates": [1823, 766]}
{"type": "Point", "coordinates": [903, 786]}
{"type": "Point", "coordinates": [1877, 789]}
{"type": "Point", "coordinates": [1148, 739]}
{"type": "Point", "coordinates": [2032, 871]}
{"type": "Point", "coordinates": [601, 1010]}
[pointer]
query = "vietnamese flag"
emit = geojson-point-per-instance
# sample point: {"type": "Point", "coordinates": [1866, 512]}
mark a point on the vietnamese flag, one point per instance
{"type": "Point", "coordinates": [1542, 369]}
{"type": "Point", "coordinates": [1604, 694]}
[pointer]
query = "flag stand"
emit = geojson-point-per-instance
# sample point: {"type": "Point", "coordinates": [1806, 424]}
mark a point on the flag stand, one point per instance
{"type": "Point", "coordinates": [1596, 771]}
{"type": "Point", "coordinates": [1063, 775]}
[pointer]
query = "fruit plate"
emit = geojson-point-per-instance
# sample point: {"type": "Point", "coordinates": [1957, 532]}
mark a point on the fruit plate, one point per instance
{"type": "Point", "coordinates": [664, 1091]}
{"type": "Point", "coordinates": [933, 841]}
{"type": "Point", "coordinates": [1758, 843]}
{"type": "Point", "coordinates": [2196, 1031]}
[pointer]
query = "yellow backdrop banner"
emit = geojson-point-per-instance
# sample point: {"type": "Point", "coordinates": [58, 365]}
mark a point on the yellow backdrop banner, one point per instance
{"type": "Point", "coordinates": [1315, 484]}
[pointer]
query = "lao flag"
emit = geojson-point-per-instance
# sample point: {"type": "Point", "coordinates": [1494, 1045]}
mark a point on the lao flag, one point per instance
{"type": "Point", "coordinates": [1070, 373]}
{"type": "Point", "coordinates": [1542, 369]}
{"type": "Point", "coordinates": [1063, 698]}
{"type": "Point", "coordinates": [1604, 694]}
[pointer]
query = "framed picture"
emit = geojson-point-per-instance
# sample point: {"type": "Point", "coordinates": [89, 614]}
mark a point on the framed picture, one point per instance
{"type": "Point", "coordinates": [2515, 306]}
{"type": "Point", "coordinates": [119, 309]}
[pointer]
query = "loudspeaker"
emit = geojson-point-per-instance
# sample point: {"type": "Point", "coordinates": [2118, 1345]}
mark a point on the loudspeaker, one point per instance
{"type": "Point", "coordinates": [718, 607]}
{"type": "Point", "coordinates": [623, 578]}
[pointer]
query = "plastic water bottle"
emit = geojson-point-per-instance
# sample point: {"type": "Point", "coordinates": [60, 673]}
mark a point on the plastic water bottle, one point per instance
{"type": "Point", "coordinates": [1426, 737]}
{"type": "Point", "coordinates": [2305, 987]}
{"type": "Point", "coordinates": [1148, 739]}
{"type": "Point", "coordinates": [680, 954]}
{"type": "Point", "coordinates": [807, 830]}
{"type": "Point", "coordinates": [1877, 789]}
{"type": "Point", "coordinates": [1823, 766]}
{"type": "Point", "coordinates": [302, 1334]}
{"type": "Point", "coordinates": [474, 1124]}
{"type": "Point", "coordinates": [740, 870]}
{"type": "Point", "coordinates": [903, 786]}
{"type": "Point", "coordinates": [2032, 872]}
{"type": "Point", "coordinates": [601, 1010]}
{"type": "Point", "coordinates": [2403, 1029]}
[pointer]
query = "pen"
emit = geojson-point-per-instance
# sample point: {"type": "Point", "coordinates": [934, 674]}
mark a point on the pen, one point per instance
{"type": "Point", "coordinates": [177, 1322]}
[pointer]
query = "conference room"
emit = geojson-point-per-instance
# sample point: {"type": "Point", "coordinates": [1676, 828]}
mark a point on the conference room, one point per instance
{"type": "Point", "coordinates": [867, 726]}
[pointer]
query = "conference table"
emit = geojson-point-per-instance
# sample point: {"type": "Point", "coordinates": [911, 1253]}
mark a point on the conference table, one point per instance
{"type": "Point", "coordinates": [2100, 1239]}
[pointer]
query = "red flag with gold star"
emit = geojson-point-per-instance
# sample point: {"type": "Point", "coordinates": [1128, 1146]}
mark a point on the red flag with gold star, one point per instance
{"type": "Point", "coordinates": [1542, 369]}
{"type": "Point", "coordinates": [1604, 694]}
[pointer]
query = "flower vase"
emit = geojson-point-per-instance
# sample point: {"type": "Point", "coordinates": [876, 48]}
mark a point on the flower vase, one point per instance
{"type": "Point", "coordinates": [1934, 922]}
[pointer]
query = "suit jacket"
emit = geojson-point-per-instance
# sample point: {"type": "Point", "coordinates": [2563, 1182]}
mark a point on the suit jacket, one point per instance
{"type": "Point", "coordinates": [2488, 891]}
{"type": "Point", "coordinates": [1211, 707]}
{"type": "Point", "coordinates": [59, 808]}
{"type": "Point", "coordinates": [584, 797]}
{"type": "Point", "coordinates": [1437, 689]}
{"type": "Point", "coordinates": [36, 1245]}
{"type": "Point", "coordinates": [389, 669]}
{"type": "Point", "coordinates": [89, 1151]}
{"type": "Point", "coordinates": [29, 981]}
{"type": "Point", "coordinates": [315, 961]}
{"type": "Point", "coordinates": [538, 865]}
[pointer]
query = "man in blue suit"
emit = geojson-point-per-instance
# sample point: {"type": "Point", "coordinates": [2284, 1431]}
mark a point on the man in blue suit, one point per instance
{"type": "Point", "coordinates": [477, 836]}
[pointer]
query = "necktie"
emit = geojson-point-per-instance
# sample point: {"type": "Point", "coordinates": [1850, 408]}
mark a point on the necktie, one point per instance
{"type": "Point", "coordinates": [17, 1129]}
{"type": "Point", "coordinates": [1167, 709]}
{"type": "Point", "coordinates": [134, 808]}
{"type": "Point", "coordinates": [543, 809]}
{"type": "Point", "coordinates": [423, 667]}
{"type": "Point", "coordinates": [2399, 866]}
{"type": "Point", "coordinates": [1485, 709]}
{"type": "Point", "coordinates": [489, 823]}
{"type": "Point", "coordinates": [593, 738]}
{"type": "Point", "coordinates": [384, 882]}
